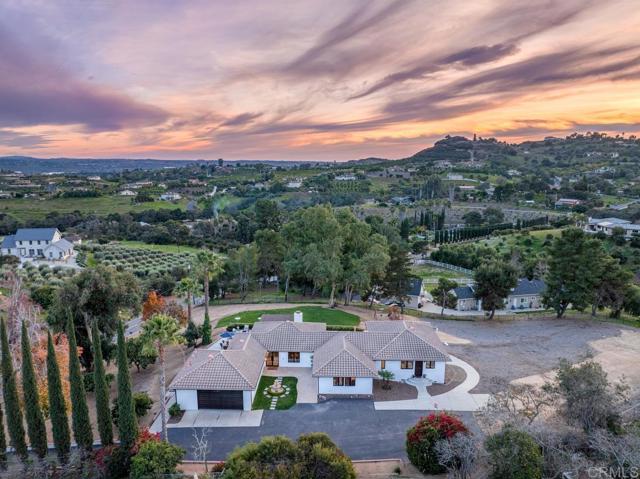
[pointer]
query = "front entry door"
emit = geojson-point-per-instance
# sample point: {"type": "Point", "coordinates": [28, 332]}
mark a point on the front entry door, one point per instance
{"type": "Point", "coordinates": [418, 369]}
{"type": "Point", "coordinates": [273, 359]}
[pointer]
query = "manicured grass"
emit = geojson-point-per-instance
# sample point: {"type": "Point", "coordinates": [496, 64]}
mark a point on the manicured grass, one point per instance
{"type": "Point", "coordinates": [30, 208]}
{"type": "Point", "coordinates": [284, 402]}
{"type": "Point", "coordinates": [311, 314]}
{"type": "Point", "coordinates": [427, 271]}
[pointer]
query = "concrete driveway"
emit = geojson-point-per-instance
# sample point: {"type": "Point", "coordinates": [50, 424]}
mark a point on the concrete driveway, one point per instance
{"type": "Point", "coordinates": [355, 426]}
{"type": "Point", "coordinates": [307, 384]}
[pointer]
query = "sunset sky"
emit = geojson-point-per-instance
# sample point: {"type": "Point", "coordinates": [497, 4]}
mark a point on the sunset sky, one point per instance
{"type": "Point", "coordinates": [309, 79]}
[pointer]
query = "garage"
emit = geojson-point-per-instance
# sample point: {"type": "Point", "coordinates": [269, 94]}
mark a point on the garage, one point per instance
{"type": "Point", "coordinates": [220, 399]}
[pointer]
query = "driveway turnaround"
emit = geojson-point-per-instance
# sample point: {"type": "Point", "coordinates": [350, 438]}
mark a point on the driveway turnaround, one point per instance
{"type": "Point", "coordinates": [458, 399]}
{"type": "Point", "coordinates": [356, 427]}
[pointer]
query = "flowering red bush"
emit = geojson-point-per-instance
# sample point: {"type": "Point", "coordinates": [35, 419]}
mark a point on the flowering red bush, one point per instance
{"type": "Point", "coordinates": [144, 435]}
{"type": "Point", "coordinates": [422, 438]}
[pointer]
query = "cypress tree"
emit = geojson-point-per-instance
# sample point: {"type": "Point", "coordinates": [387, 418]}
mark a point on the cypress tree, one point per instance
{"type": "Point", "coordinates": [127, 422]}
{"type": "Point", "coordinates": [11, 401]}
{"type": "Point", "coordinates": [103, 413]}
{"type": "Point", "coordinates": [3, 443]}
{"type": "Point", "coordinates": [80, 422]}
{"type": "Point", "coordinates": [57, 408]}
{"type": "Point", "coordinates": [33, 414]}
{"type": "Point", "coordinates": [206, 330]}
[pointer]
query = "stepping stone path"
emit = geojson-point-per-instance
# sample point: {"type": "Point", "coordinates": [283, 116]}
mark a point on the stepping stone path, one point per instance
{"type": "Point", "coordinates": [274, 399]}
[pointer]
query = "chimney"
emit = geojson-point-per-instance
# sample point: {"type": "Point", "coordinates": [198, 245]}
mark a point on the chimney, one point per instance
{"type": "Point", "coordinates": [297, 317]}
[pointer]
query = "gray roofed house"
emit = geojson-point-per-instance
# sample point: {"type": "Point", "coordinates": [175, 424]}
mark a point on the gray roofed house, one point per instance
{"type": "Point", "coordinates": [466, 298]}
{"type": "Point", "coordinates": [8, 242]}
{"type": "Point", "coordinates": [526, 295]}
{"type": "Point", "coordinates": [341, 363]}
{"type": "Point", "coordinates": [35, 234]}
{"type": "Point", "coordinates": [464, 292]}
{"type": "Point", "coordinates": [526, 286]}
{"type": "Point", "coordinates": [338, 357]}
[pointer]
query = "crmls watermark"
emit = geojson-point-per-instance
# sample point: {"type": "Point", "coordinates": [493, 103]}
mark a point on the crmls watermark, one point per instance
{"type": "Point", "coordinates": [614, 472]}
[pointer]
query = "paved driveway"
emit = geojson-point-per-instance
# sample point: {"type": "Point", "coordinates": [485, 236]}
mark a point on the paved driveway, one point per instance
{"type": "Point", "coordinates": [307, 385]}
{"type": "Point", "coordinates": [357, 428]}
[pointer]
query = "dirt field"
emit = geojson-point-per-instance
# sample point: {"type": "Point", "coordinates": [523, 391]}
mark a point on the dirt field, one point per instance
{"type": "Point", "coordinates": [524, 348]}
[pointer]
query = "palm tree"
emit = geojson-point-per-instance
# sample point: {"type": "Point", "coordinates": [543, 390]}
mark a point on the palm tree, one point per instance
{"type": "Point", "coordinates": [210, 266]}
{"type": "Point", "coordinates": [159, 331]}
{"type": "Point", "coordinates": [186, 288]}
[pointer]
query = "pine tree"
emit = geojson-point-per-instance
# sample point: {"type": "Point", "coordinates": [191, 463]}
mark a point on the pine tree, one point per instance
{"type": "Point", "coordinates": [11, 401]}
{"type": "Point", "coordinates": [80, 422]}
{"type": "Point", "coordinates": [103, 413]}
{"type": "Point", "coordinates": [206, 330]}
{"type": "Point", "coordinates": [127, 422]}
{"type": "Point", "coordinates": [57, 408]}
{"type": "Point", "coordinates": [33, 414]}
{"type": "Point", "coordinates": [3, 443]}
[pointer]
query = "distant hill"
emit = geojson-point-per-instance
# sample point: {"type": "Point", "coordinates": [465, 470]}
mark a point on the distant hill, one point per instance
{"type": "Point", "coordinates": [31, 165]}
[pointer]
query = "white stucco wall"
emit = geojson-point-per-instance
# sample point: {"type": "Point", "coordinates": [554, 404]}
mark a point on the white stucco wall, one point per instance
{"type": "Point", "coordinates": [363, 386]}
{"type": "Point", "coordinates": [187, 399]}
{"type": "Point", "coordinates": [305, 360]}
{"type": "Point", "coordinates": [436, 374]}
{"type": "Point", "coordinates": [247, 400]}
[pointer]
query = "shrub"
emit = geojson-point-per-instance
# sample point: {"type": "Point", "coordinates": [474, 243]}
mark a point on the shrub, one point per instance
{"type": "Point", "coordinates": [514, 454]}
{"type": "Point", "coordinates": [154, 459]}
{"type": "Point", "coordinates": [174, 410]}
{"type": "Point", "coordinates": [142, 403]}
{"type": "Point", "coordinates": [422, 439]}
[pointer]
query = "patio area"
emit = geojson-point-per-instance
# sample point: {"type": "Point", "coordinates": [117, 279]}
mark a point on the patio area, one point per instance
{"type": "Point", "coordinates": [307, 384]}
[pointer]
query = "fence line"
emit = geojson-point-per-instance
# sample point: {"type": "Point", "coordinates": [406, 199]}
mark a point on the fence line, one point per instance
{"type": "Point", "coordinates": [448, 266]}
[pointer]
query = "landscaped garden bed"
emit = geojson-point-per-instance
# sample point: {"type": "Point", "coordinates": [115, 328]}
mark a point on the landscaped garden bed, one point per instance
{"type": "Point", "coordinates": [397, 392]}
{"type": "Point", "coordinates": [311, 314]}
{"type": "Point", "coordinates": [285, 399]}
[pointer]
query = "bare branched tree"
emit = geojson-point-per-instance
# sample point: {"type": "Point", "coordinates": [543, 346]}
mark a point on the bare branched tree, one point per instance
{"type": "Point", "coordinates": [620, 453]}
{"type": "Point", "coordinates": [201, 445]}
{"type": "Point", "coordinates": [516, 404]}
{"type": "Point", "coordinates": [458, 455]}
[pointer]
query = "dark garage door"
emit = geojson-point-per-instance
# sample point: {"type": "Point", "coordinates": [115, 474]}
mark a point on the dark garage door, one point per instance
{"type": "Point", "coordinates": [219, 399]}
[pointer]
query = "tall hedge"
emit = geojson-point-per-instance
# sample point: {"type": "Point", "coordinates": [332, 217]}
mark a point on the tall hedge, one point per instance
{"type": "Point", "coordinates": [57, 407]}
{"type": "Point", "coordinates": [80, 422]}
{"type": "Point", "coordinates": [3, 443]}
{"type": "Point", "coordinates": [32, 411]}
{"type": "Point", "coordinates": [127, 421]}
{"type": "Point", "coordinates": [11, 400]}
{"type": "Point", "coordinates": [105, 428]}
{"type": "Point", "coordinates": [206, 330]}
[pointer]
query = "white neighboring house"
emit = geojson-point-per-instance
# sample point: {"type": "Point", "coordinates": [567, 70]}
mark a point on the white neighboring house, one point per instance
{"type": "Point", "coordinates": [607, 225]}
{"type": "Point", "coordinates": [417, 294]}
{"type": "Point", "coordinates": [36, 243]}
{"type": "Point", "coordinates": [127, 193]}
{"type": "Point", "coordinates": [170, 196]}
{"type": "Point", "coordinates": [343, 364]}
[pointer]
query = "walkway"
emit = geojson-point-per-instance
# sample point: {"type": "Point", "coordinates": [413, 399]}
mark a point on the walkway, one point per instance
{"type": "Point", "coordinates": [307, 385]}
{"type": "Point", "coordinates": [458, 399]}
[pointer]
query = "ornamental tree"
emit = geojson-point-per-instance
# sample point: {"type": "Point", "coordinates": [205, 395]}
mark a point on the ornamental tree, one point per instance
{"type": "Point", "coordinates": [423, 437]}
{"type": "Point", "coordinates": [514, 454]}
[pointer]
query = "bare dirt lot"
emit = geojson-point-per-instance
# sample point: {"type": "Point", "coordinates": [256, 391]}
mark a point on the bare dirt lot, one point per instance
{"type": "Point", "coordinates": [522, 348]}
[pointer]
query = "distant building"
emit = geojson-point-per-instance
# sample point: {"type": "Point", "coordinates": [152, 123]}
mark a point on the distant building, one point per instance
{"type": "Point", "coordinates": [37, 243]}
{"type": "Point", "coordinates": [345, 178]}
{"type": "Point", "coordinates": [607, 225]}
{"type": "Point", "coordinates": [127, 193]}
{"type": "Point", "coordinates": [567, 203]}
{"type": "Point", "coordinates": [454, 177]}
{"type": "Point", "coordinates": [170, 196]}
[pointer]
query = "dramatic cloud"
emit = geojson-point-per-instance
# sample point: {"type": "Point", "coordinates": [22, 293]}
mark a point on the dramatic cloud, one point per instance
{"type": "Point", "coordinates": [34, 91]}
{"type": "Point", "coordinates": [330, 80]}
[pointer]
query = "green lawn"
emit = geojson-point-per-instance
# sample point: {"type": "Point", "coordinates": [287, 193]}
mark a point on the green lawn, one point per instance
{"type": "Point", "coordinates": [425, 271]}
{"type": "Point", "coordinates": [284, 402]}
{"type": "Point", "coordinates": [29, 208]}
{"type": "Point", "coordinates": [311, 314]}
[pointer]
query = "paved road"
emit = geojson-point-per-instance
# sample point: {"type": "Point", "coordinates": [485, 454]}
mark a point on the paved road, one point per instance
{"type": "Point", "coordinates": [357, 428]}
